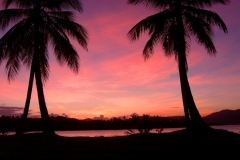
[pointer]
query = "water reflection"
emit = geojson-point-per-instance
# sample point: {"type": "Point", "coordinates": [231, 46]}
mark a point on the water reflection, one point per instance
{"type": "Point", "coordinates": [110, 133]}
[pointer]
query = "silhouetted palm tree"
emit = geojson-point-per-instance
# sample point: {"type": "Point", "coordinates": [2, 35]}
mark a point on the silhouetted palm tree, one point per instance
{"type": "Point", "coordinates": [173, 26]}
{"type": "Point", "coordinates": [36, 25]}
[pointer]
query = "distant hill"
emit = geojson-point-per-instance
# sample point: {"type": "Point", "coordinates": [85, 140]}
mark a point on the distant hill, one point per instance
{"type": "Point", "coordinates": [224, 117]}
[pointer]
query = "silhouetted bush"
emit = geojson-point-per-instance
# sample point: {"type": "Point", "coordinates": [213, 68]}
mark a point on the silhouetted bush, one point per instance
{"type": "Point", "coordinates": [143, 124]}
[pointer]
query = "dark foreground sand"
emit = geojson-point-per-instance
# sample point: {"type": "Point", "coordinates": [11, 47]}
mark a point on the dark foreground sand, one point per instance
{"type": "Point", "coordinates": [177, 145]}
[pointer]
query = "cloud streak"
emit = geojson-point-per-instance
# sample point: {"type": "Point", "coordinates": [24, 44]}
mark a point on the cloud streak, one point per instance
{"type": "Point", "coordinates": [10, 111]}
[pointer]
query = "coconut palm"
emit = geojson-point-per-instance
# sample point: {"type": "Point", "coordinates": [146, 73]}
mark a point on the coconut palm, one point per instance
{"type": "Point", "coordinates": [173, 26]}
{"type": "Point", "coordinates": [36, 24]}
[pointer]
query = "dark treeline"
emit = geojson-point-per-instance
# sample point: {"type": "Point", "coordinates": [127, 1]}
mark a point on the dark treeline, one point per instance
{"type": "Point", "coordinates": [60, 123]}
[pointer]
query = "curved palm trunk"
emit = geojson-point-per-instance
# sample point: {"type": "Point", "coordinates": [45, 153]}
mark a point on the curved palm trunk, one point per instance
{"type": "Point", "coordinates": [23, 119]}
{"type": "Point", "coordinates": [182, 51]}
{"type": "Point", "coordinates": [195, 120]}
{"type": "Point", "coordinates": [47, 129]}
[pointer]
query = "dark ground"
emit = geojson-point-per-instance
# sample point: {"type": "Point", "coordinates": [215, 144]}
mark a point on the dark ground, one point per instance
{"type": "Point", "coordinates": [176, 145]}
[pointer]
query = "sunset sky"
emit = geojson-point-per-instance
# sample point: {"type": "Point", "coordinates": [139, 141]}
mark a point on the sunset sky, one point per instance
{"type": "Point", "coordinates": [114, 79]}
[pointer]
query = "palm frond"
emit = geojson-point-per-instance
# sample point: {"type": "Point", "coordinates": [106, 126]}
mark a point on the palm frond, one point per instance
{"type": "Point", "coordinates": [203, 32]}
{"type": "Point", "coordinates": [11, 16]}
{"type": "Point", "coordinates": [59, 5]}
{"type": "Point", "coordinates": [13, 38]}
{"type": "Point", "coordinates": [148, 49]}
{"type": "Point", "coordinates": [12, 45]}
{"type": "Point", "coordinates": [67, 15]}
{"type": "Point", "coordinates": [43, 56]}
{"type": "Point", "coordinates": [19, 3]}
{"type": "Point", "coordinates": [12, 67]}
{"type": "Point", "coordinates": [208, 16]}
{"type": "Point", "coordinates": [150, 24]}
{"type": "Point", "coordinates": [73, 29]}
{"type": "Point", "coordinates": [168, 39]}
{"type": "Point", "coordinates": [151, 3]}
{"type": "Point", "coordinates": [27, 51]}
{"type": "Point", "coordinates": [44, 66]}
{"type": "Point", "coordinates": [155, 26]}
{"type": "Point", "coordinates": [203, 3]}
{"type": "Point", "coordinates": [63, 49]}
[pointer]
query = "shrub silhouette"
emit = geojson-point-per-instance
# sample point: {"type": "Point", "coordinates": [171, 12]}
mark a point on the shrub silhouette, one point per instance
{"type": "Point", "coordinates": [143, 124]}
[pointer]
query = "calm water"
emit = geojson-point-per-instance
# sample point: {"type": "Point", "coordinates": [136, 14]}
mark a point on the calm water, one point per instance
{"type": "Point", "coordinates": [109, 133]}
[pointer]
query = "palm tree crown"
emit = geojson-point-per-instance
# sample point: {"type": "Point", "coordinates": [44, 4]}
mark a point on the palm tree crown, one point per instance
{"type": "Point", "coordinates": [55, 25]}
{"type": "Point", "coordinates": [162, 27]}
{"type": "Point", "coordinates": [176, 22]}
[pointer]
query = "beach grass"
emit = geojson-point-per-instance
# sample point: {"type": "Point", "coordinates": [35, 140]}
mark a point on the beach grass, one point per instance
{"type": "Point", "coordinates": [175, 145]}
